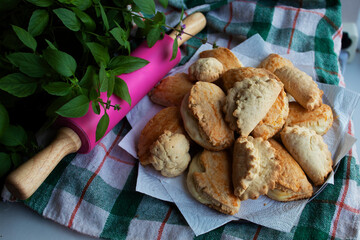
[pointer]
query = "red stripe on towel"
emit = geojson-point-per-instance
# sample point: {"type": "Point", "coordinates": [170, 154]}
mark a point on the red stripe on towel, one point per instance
{"type": "Point", "coordinates": [161, 229]}
{"type": "Point", "coordinates": [92, 178]}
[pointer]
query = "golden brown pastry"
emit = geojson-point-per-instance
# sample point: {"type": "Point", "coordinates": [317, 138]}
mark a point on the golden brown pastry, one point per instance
{"type": "Point", "coordinates": [309, 150]}
{"type": "Point", "coordinates": [209, 181]}
{"type": "Point", "coordinates": [171, 90]}
{"type": "Point", "coordinates": [246, 165]}
{"type": "Point", "coordinates": [206, 70]}
{"type": "Point", "coordinates": [292, 183]}
{"type": "Point", "coordinates": [224, 55]}
{"type": "Point", "coordinates": [274, 62]}
{"type": "Point", "coordinates": [203, 119]}
{"type": "Point", "coordinates": [167, 119]}
{"type": "Point", "coordinates": [320, 119]}
{"type": "Point", "coordinates": [254, 175]}
{"type": "Point", "coordinates": [238, 74]}
{"type": "Point", "coordinates": [275, 118]}
{"type": "Point", "coordinates": [248, 102]}
{"type": "Point", "coordinates": [170, 154]}
{"type": "Point", "coordinates": [301, 86]}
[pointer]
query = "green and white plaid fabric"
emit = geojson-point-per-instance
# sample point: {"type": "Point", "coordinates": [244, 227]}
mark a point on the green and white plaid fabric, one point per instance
{"type": "Point", "coordinates": [95, 193]}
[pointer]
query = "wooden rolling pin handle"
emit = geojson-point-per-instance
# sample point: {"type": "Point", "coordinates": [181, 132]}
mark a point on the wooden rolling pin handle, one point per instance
{"type": "Point", "coordinates": [194, 24]}
{"type": "Point", "coordinates": [26, 179]}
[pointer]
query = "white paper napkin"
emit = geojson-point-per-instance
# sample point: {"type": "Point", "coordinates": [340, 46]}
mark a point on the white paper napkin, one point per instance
{"type": "Point", "coordinates": [264, 211]}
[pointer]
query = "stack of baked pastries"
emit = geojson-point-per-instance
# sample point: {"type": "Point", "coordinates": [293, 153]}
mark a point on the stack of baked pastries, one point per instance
{"type": "Point", "coordinates": [234, 132]}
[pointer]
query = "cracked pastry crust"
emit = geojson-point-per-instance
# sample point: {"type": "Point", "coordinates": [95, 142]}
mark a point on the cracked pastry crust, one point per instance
{"type": "Point", "coordinates": [320, 119]}
{"type": "Point", "coordinates": [167, 119]}
{"type": "Point", "coordinates": [209, 181]}
{"type": "Point", "coordinates": [171, 90]}
{"type": "Point", "coordinates": [170, 154]}
{"type": "Point", "coordinates": [238, 74]}
{"type": "Point", "coordinates": [275, 118]}
{"type": "Point", "coordinates": [310, 151]}
{"type": "Point", "coordinates": [268, 169]}
{"type": "Point", "coordinates": [246, 165]}
{"type": "Point", "coordinates": [203, 119]}
{"type": "Point", "coordinates": [292, 183]}
{"type": "Point", "coordinates": [274, 62]}
{"type": "Point", "coordinates": [248, 102]}
{"type": "Point", "coordinates": [206, 70]}
{"type": "Point", "coordinates": [224, 55]}
{"type": "Point", "coordinates": [301, 86]}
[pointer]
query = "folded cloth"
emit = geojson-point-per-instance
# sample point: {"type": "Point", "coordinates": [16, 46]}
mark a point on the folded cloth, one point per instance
{"type": "Point", "coordinates": [95, 193]}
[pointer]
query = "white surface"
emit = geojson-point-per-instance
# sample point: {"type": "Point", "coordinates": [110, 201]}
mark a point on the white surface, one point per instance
{"type": "Point", "coordinates": [20, 222]}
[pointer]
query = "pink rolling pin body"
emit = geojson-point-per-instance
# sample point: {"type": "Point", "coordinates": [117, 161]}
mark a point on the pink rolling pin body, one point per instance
{"type": "Point", "coordinates": [139, 84]}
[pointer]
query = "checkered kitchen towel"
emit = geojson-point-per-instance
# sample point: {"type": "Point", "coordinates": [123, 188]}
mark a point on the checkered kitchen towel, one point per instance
{"type": "Point", "coordinates": [95, 193]}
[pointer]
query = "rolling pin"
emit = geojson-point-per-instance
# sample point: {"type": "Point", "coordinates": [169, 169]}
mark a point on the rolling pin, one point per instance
{"type": "Point", "coordinates": [78, 134]}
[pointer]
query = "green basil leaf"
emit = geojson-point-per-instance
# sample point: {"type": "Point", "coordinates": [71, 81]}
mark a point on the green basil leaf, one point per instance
{"type": "Point", "coordinates": [4, 119]}
{"type": "Point", "coordinates": [139, 22]}
{"type": "Point", "coordinates": [89, 79]}
{"type": "Point", "coordinates": [126, 64]}
{"type": "Point", "coordinates": [18, 84]}
{"type": "Point", "coordinates": [41, 3]}
{"type": "Point", "coordinates": [5, 163]}
{"type": "Point", "coordinates": [14, 136]}
{"type": "Point", "coordinates": [88, 22]}
{"type": "Point", "coordinates": [121, 90]}
{"type": "Point", "coordinates": [103, 79]}
{"type": "Point", "coordinates": [164, 3]}
{"type": "Point", "coordinates": [159, 18]}
{"type": "Point", "coordinates": [57, 88]}
{"type": "Point", "coordinates": [38, 22]}
{"type": "Point", "coordinates": [99, 52]}
{"type": "Point", "coordinates": [25, 37]}
{"type": "Point", "coordinates": [120, 35]}
{"type": "Point", "coordinates": [153, 35]}
{"type": "Point", "coordinates": [96, 107]}
{"type": "Point", "coordinates": [146, 6]}
{"type": "Point", "coordinates": [76, 107]}
{"type": "Point", "coordinates": [175, 49]}
{"type": "Point", "coordinates": [94, 94]}
{"type": "Point", "coordinates": [111, 83]}
{"type": "Point", "coordinates": [102, 126]}
{"type": "Point", "coordinates": [82, 4]}
{"type": "Point", "coordinates": [68, 18]}
{"type": "Point", "coordinates": [61, 62]}
{"type": "Point", "coordinates": [29, 63]}
{"type": "Point", "coordinates": [104, 17]}
{"type": "Point", "coordinates": [51, 45]}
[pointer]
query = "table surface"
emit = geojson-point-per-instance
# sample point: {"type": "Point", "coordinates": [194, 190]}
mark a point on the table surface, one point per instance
{"type": "Point", "coordinates": [19, 222]}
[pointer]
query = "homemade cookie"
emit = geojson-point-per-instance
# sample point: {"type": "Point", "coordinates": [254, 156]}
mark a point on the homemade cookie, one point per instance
{"type": "Point", "coordinates": [292, 183]}
{"type": "Point", "coordinates": [224, 55]}
{"type": "Point", "coordinates": [209, 181]}
{"type": "Point", "coordinates": [275, 118]}
{"type": "Point", "coordinates": [274, 62]}
{"type": "Point", "coordinates": [320, 119]}
{"type": "Point", "coordinates": [171, 90]}
{"type": "Point", "coordinates": [203, 119]}
{"type": "Point", "coordinates": [268, 168]}
{"type": "Point", "coordinates": [248, 102]}
{"type": "Point", "coordinates": [167, 119]}
{"type": "Point", "coordinates": [309, 150]}
{"type": "Point", "coordinates": [238, 74]}
{"type": "Point", "coordinates": [170, 154]}
{"type": "Point", "coordinates": [206, 70]}
{"type": "Point", "coordinates": [301, 86]}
